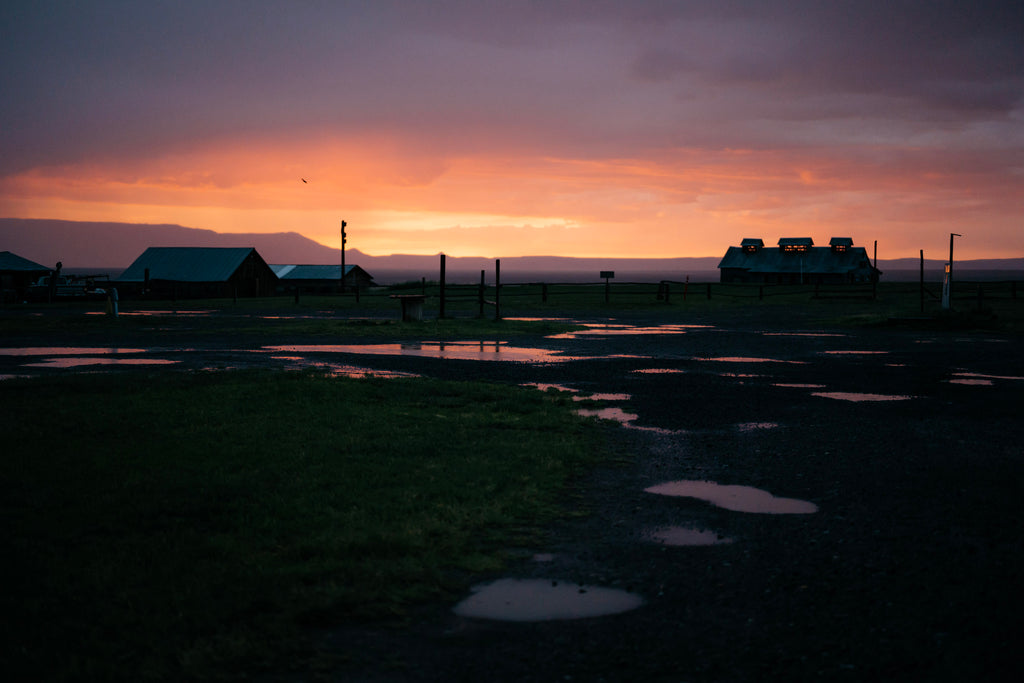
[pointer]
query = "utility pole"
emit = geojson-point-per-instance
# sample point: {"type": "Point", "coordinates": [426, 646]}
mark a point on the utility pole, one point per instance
{"type": "Point", "coordinates": [947, 289]}
{"type": "Point", "coordinates": [341, 277]}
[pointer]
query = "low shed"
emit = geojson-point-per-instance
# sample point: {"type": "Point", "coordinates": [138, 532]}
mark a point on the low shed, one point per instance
{"type": "Point", "coordinates": [200, 272]}
{"type": "Point", "coordinates": [320, 278]}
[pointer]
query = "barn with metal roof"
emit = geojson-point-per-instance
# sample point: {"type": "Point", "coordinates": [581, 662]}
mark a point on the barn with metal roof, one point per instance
{"type": "Point", "coordinates": [17, 274]}
{"type": "Point", "coordinates": [797, 260]}
{"type": "Point", "coordinates": [192, 272]}
{"type": "Point", "coordinates": [320, 278]}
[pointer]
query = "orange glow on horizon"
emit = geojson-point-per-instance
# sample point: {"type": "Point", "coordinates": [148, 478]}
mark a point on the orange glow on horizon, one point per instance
{"type": "Point", "coordinates": [404, 200]}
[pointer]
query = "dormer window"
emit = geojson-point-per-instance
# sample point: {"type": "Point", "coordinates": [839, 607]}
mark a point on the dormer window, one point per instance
{"type": "Point", "coordinates": [751, 246]}
{"type": "Point", "coordinates": [795, 245]}
{"type": "Point", "coordinates": [840, 245]}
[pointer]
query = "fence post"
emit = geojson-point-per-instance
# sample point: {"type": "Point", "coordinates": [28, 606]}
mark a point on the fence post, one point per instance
{"type": "Point", "coordinates": [442, 286]}
{"type": "Point", "coordinates": [480, 296]}
{"type": "Point", "coordinates": [497, 289]}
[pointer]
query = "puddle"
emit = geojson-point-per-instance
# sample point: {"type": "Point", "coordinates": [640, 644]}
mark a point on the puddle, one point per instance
{"type": "Point", "coordinates": [65, 351]}
{"type": "Point", "coordinates": [614, 414]}
{"type": "Point", "coordinates": [755, 426]}
{"type": "Point", "coordinates": [544, 600]}
{"type": "Point", "coordinates": [74, 362]}
{"type": "Point", "coordinates": [578, 396]}
{"type": "Point", "coordinates": [607, 330]}
{"type": "Point", "coordinates": [465, 350]}
{"type": "Point", "coordinates": [602, 397]}
{"type": "Point", "coordinates": [683, 536]}
{"type": "Point", "coordinates": [855, 353]}
{"type": "Point", "coordinates": [800, 386]}
{"type": "Point", "coordinates": [859, 398]}
{"type": "Point", "coordinates": [545, 387]}
{"type": "Point", "coordinates": [733, 497]}
{"type": "Point", "coordinates": [976, 375]}
{"type": "Point", "coordinates": [658, 371]}
{"type": "Point", "coordinates": [746, 359]}
{"type": "Point", "coordinates": [973, 382]}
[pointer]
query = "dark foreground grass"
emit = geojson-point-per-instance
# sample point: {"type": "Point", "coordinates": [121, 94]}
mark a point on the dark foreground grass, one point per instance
{"type": "Point", "coordinates": [189, 526]}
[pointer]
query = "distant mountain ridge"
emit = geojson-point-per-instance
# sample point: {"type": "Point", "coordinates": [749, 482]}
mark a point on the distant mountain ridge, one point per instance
{"type": "Point", "coordinates": [114, 246]}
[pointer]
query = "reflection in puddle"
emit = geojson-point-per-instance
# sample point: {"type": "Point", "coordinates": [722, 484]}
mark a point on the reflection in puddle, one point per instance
{"type": "Point", "coordinates": [733, 497]}
{"type": "Point", "coordinates": [614, 414]}
{"type": "Point", "coordinates": [683, 536]}
{"type": "Point", "coordinates": [65, 351]}
{"type": "Point", "coordinates": [74, 362]}
{"type": "Point", "coordinates": [658, 371]}
{"type": "Point", "coordinates": [800, 386]}
{"type": "Point", "coordinates": [858, 398]}
{"type": "Point", "coordinates": [606, 330]}
{"type": "Point", "coordinates": [544, 600]}
{"type": "Point", "coordinates": [602, 397]}
{"type": "Point", "coordinates": [973, 382]}
{"type": "Point", "coordinates": [744, 359]}
{"type": "Point", "coordinates": [754, 426]}
{"type": "Point", "coordinates": [976, 375]}
{"type": "Point", "coordinates": [855, 353]}
{"type": "Point", "coordinates": [463, 350]}
{"type": "Point", "coordinates": [545, 387]}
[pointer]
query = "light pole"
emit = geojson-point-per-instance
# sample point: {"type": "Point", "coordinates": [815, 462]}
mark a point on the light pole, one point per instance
{"type": "Point", "coordinates": [341, 277]}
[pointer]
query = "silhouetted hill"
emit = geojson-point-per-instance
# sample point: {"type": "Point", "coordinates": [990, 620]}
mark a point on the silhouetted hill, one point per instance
{"type": "Point", "coordinates": [112, 247]}
{"type": "Point", "coordinates": [115, 245]}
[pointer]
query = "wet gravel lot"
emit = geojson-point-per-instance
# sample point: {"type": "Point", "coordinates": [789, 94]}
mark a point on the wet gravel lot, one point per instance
{"type": "Point", "coordinates": [908, 443]}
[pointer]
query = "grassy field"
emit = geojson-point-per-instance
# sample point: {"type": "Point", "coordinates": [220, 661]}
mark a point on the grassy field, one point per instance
{"type": "Point", "coordinates": [173, 526]}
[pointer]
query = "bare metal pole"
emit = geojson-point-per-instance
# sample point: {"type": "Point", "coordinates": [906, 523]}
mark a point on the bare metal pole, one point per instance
{"type": "Point", "coordinates": [950, 276]}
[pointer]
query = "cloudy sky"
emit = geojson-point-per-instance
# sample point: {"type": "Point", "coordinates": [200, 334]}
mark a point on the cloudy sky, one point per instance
{"type": "Point", "coordinates": [510, 128]}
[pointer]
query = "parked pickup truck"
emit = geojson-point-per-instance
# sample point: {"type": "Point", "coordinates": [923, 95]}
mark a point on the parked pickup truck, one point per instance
{"type": "Point", "coordinates": [65, 287]}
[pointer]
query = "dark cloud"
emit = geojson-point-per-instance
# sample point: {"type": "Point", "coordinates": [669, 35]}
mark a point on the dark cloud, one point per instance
{"type": "Point", "coordinates": [108, 79]}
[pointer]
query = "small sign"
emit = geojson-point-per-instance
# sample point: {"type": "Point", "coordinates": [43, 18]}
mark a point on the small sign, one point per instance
{"type": "Point", "coordinates": [606, 274]}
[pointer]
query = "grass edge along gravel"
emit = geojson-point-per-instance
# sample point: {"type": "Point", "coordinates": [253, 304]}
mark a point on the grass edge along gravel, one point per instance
{"type": "Point", "coordinates": [191, 525]}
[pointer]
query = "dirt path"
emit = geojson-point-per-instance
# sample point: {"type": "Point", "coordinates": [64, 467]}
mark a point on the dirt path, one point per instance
{"type": "Point", "coordinates": [908, 570]}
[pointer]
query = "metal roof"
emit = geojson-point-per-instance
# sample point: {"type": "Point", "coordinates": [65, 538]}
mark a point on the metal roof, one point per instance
{"type": "Point", "coordinates": [10, 261]}
{"type": "Point", "coordinates": [814, 260]}
{"type": "Point", "coordinates": [187, 264]}
{"type": "Point", "coordinates": [292, 272]}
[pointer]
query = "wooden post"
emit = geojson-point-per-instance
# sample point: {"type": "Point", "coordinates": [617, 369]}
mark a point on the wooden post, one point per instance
{"type": "Point", "coordinates": [922, 281]}
{"type": "Point", "coordinates": [480, 294]}
{"type": "Point", "coordinates": [497, 289]}
{"type": "Point", "coordinates": [442, 286]}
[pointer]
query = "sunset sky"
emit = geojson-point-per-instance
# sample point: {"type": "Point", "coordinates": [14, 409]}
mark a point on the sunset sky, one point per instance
{"type": "Point", "coordinates": [631, 128]}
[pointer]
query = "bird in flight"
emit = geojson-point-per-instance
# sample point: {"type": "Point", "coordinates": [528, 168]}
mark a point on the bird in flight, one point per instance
{"type": "Point", "coordinates": [303, 179]}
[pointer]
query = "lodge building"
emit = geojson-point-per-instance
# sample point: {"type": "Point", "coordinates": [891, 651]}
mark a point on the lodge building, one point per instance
{"type": "Point", "coordinates": [796, 261]}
